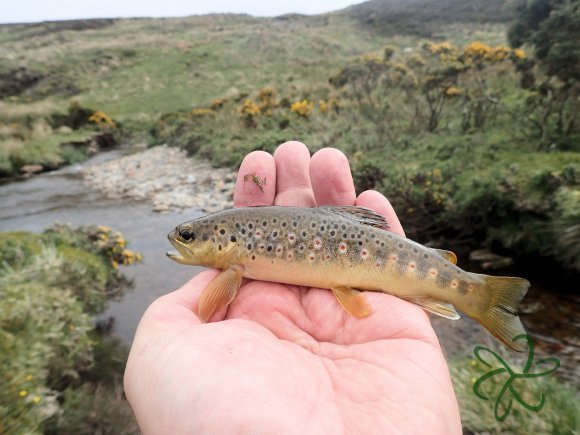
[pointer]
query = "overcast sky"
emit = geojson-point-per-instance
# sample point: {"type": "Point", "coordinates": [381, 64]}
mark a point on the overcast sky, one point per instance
{"type": "Point", "coordinates": [27, 11]}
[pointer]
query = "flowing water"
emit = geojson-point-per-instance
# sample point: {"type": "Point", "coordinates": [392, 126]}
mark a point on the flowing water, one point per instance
{"type": "Point", "coordinates": [36, 203]}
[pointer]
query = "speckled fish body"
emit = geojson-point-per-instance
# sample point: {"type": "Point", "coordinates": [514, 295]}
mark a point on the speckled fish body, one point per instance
{"type": "Point", "coordinates": [345, 249]}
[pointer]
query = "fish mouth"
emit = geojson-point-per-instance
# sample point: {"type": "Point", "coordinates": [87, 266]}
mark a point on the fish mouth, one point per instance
{"type": "Point", "coordinates": [175, 255]}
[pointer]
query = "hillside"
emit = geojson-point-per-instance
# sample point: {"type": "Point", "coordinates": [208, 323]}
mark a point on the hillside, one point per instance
{"type": "Point", "coordinates": [222, 85]}
{"type": "Point", "coordinates": [426, 17]}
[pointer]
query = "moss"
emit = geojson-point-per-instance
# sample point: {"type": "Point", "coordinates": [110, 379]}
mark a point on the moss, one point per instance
{"type": "Point", "coordinates": [17, 247]}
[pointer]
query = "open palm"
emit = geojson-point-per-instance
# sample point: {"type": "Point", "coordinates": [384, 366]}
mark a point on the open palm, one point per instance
{"type": "Point", "coordinates": [288, 359]}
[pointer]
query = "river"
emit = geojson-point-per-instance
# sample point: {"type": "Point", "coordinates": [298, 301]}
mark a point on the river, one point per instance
{"type": "Point", "coordinates": [549, 312]}
{"type": "Point", "coordinates": [36, 203]}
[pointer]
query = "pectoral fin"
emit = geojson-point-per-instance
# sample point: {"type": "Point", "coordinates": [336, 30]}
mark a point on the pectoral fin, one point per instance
{"type": "Point", "coordinates": [437, 307]}
{"type": "Point", "coordinates": [353, 301]}
{"type": "Point", "coordinates": [448, 255]}
{"type": "Point", "coordinates": [220, 292]}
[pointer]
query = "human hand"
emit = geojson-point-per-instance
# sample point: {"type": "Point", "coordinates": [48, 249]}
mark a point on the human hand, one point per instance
{"type": "Point", "coordinates": [288, 359]}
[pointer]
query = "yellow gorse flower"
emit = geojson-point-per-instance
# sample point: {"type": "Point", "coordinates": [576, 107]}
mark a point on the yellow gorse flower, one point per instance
{"type": "Point", "coordinates": [200, 112]}
{"type": "Point", "coordinates": [102, 119]}
{"type": "Point", "coordinates": [453, 91]}
{"type": "Point", "coordinates": [249, 108]}
{"type": "Point", "coordinates": [302, 108]}
{"type": "Point", "coordinates": [519, 53]}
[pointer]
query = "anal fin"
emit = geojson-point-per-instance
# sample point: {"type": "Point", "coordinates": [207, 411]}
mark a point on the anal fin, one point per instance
{"type": "Point", "coordinates": [220, 292]}
{"type": "Point", "coordinates": [442, 309]}
{"type": "Point", "coordinates": [353, 301]}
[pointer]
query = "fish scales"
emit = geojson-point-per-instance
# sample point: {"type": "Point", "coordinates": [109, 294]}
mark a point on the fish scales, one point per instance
{"type": "Point", "coordinates": [337, 248]}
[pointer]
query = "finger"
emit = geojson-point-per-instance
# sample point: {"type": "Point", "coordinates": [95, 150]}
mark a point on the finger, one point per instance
{"type": "Point", "coordinates": [331, 178]}
{"type": "Point", "coordinates": [256, 182]}
{"type": "Point", "coordinates": [292, 175]}
{"type": "Point", "coordinates": [377, 202]}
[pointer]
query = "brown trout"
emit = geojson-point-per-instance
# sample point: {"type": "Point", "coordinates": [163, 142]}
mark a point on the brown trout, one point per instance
{"type": "Point", "coordinates": [346, 249]}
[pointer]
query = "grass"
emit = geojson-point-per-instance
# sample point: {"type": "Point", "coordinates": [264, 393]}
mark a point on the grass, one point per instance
{"type": "Point", "coordinates": [560, 414]}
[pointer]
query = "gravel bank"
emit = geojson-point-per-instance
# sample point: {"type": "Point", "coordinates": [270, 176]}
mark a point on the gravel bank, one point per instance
{"type": "Point", "coordinates": [165, 177]}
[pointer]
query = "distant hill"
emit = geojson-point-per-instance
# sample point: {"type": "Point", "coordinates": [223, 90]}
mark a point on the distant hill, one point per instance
{"type": "Point", "coordinates": [425, 17]}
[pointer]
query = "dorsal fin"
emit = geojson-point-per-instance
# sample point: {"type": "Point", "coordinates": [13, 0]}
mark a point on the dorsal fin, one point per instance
{"type": "Point", "coordinates": [362, 215]}
{"type": "Point", "coordinates": [448, 255]}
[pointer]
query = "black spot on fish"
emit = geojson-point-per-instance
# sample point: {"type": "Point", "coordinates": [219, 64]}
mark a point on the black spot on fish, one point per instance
{"type": "Point", "coordinates": [322, 227]}
{"type": "Point", "coordinates": [425, 255]}
{"type": "Point", "coordinates": [359, 236]}
{"type": "Point", "coordinates": [313, 225]}
{"type": "Point", "coordinates": [223, 221]}
{"type": "Point", "coordinates": [284, 224]}
{"type": "Point", "coordinates": [222, 231]}
{"type": "Point", "coordinates": [382, 244]}
{"type": "Point", "coordinates": [243, 231]}
{"type": "Point", "coordinates": [238, 225]}
{"type": "Point", "coordinates": [400, 245]}
{"type": "Point", "coordinates": [352, 236]}
{"type": "Point", "coordinates": [275, 220]}
{"type": "Point", "coordinates": [205, 221]}
{"type": "Point", "coordinates": [215, 227]}
{"type": "Point", "coordinates": [264, 224]}
{"type": "Point", "coordinates": [219, 247]}
{"type": "Point", "coordinates": [343, 226]}
{"type": "Point", "coordinates": [233, 239]}
{"type": "Point", "coordinates": [275, 234]}
{"type": "Point", "coordinates": [336, 226]}
{"type": "Point", "coordinates": [304, 233]}
{"type": "Point", "coordinates": [372, 236]}
{"type": "Point", "coordinates": [360, 243]}
{"type": "Point", "coordinates": [294, 224]}
{"type": "Point", "coordinates": [205, 237]}
{"type": "Point", "coordinates": [249, 246]}
{"type": "Point", "coordinates": [332, 233]}
{"type": "Point", "coordinates": [269, 249]}
{"type": "Point", "coordinates": [253, 257]}
{"type": "Point", "coordinates": [250, 225]}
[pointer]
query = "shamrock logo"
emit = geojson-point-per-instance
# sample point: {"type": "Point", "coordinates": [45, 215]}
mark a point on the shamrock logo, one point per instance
{"type": "Point", "coordinates": [509, 384]}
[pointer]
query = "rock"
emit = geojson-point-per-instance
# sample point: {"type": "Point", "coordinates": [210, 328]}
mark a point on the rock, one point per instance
{"type": "Point", "coordinates": [164, 176]}
{"type": "Point", "coordinates": [31, 169]}
{"type": "Point", "coordinates": [160, 208]}
{"type": "Point", "coordinates": [489, 260]}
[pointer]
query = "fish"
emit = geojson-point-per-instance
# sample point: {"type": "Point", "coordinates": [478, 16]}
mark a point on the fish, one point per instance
{"type": "Point", "coordinates": [349, 250]}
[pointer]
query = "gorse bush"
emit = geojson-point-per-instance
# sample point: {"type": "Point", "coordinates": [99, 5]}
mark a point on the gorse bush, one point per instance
{"type": "Point", "coordinates": [50, 286]}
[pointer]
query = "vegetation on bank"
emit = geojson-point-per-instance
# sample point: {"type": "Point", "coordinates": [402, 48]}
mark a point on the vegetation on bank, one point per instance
{"type": "Point", "coordinates": [559, 415]}
{"type": "Point", "coordinates": [58, 372]}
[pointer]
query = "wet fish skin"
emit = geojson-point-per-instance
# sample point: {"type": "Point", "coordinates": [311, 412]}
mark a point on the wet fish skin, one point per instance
{"type": "Point", "coordinates": [345, 249]}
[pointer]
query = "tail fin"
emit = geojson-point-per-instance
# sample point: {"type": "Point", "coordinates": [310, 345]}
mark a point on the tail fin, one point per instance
{"type": "Point", "coordinates": [501, 316]}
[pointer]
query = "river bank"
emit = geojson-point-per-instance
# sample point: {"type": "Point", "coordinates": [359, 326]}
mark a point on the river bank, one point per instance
{"type": "Point", "coordinates": [166, 178]}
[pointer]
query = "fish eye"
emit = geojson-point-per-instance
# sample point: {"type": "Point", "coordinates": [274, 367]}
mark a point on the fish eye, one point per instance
{"type": "Point", "coordinates": [186, 235]}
